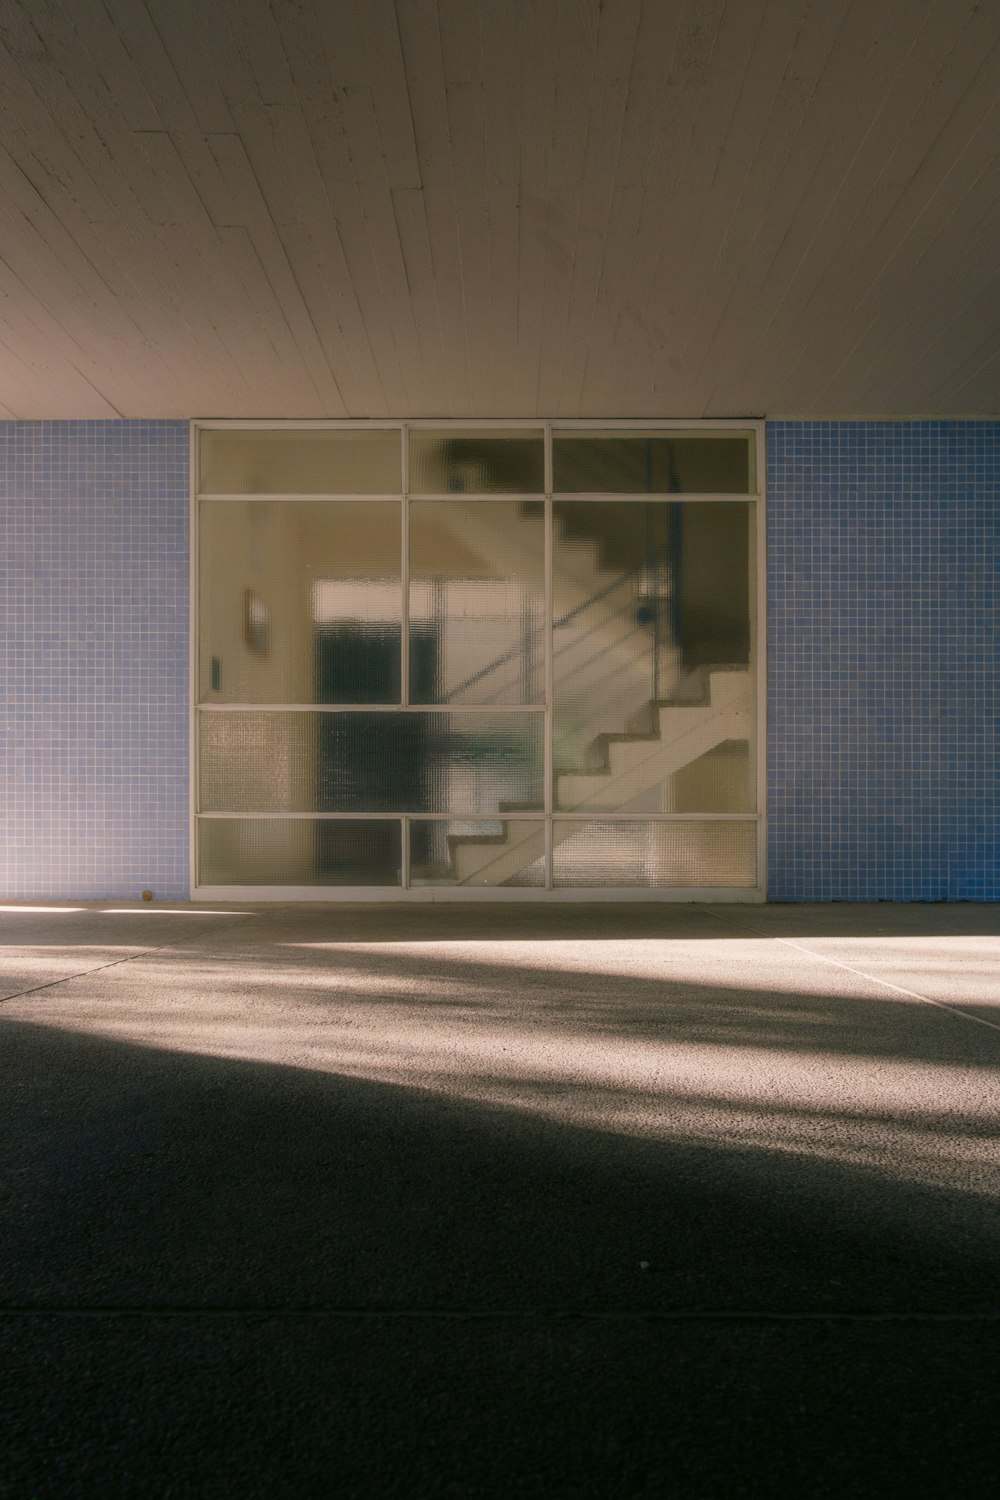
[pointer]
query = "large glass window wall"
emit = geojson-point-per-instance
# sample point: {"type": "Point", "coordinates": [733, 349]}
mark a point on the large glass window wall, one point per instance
{"type": "Point", "coordinates": [437, 659]}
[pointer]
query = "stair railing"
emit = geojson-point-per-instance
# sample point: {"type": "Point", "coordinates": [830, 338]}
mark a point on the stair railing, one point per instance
{"type": "Point", "coordinates": [514, 653]}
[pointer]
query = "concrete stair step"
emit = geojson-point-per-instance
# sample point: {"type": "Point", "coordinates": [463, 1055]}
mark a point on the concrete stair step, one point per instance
{"type": "Point", "coordinates": [634, 765]}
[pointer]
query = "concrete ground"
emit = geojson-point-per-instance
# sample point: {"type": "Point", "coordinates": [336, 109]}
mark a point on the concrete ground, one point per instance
{"type": "Point", "coordinates": [592, 1201]}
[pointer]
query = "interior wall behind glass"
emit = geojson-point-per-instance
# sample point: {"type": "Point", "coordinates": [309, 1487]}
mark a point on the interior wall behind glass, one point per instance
{"type": "Point", "coordinates": [477, 602]}
{"type": "Point", "coordinates": [713, 583]}
{"type": "Point", "coordinates": [300, 601]}
{"type": "Point", "coordinates": [300, 461]}
{"type": "Point", "coordinates": [300, 851]}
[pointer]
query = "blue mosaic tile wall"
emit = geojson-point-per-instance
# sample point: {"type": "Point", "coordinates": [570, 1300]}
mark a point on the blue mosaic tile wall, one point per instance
{"type": "Point", "coordinates": [883, 638]}
{"type": "Point", "coordinates": [884, 656]}
{"type": "Point", "coordinates": [94, 658]}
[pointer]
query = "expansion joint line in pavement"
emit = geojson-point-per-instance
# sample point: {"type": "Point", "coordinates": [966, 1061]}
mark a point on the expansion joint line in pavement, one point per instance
{"type": "Point", "coordinates": [115, 963]}
{"type": "Point", "coordinates": [835, 963]}
{"type": "Point", "coordinates": [504, 1314]}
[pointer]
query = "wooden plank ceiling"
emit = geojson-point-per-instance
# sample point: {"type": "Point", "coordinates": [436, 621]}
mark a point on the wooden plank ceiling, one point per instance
{"type": "Point", "coordinates": [363, 208]}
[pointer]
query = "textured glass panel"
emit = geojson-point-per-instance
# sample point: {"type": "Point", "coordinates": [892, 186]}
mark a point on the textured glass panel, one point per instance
{"type": "Point", "coordinates": [654, 854]}
{"type": "Point", "coordinates": [612, 638]}
{"type": "Point", "coordinates": [477, 602]}
{"type": "Point", "coordinates": [651, 639]}
{"type": "Point", "coordinates": [300, 461]}
{"type": "Point", "coordinates": [711, 609]}
{"type": "Point", "coordinates": [370, 762]}
{"type": "Point", "coordinates": [477, 763]}
{"type": "Point", "coordinates": [480, 461]}
{"type": "Point", "coordinates": [688, 759]}
{"type": "Point", "coordinates": [311, 762]}
{"type": "Point", "coordinates": [300, 601]}
{"type": "Point", "coordinates": [506, 852]}
{"type": "Point", "coordinates": [719, 781]}
{"type": "Point", "coordinates": [301, 851]}
{"type": "Point", "coordinates": [631, 463]}
{"type": "Point", "coordinates": [638, 776]}
{"type": "Point", "coordinates": [258, 762]}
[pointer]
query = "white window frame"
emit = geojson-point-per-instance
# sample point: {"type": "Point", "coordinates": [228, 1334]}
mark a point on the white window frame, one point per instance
{"type": "Point", "coordinates": [436, 894]}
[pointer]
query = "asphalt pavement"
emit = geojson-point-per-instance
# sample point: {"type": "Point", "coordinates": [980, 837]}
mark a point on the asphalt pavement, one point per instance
{"type": "Point", "coordinates": [486, 1201]}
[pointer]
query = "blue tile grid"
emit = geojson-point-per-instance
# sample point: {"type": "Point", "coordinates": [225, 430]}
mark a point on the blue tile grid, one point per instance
{"type": "Point", "coordinates": [94, 658]}
{"type": "Point", "coordinates": [883, 567]}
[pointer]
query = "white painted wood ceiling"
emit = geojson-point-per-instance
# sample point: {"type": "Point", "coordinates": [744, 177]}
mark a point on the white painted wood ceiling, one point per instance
{"type": "Point", "coordinates": [330, 208]}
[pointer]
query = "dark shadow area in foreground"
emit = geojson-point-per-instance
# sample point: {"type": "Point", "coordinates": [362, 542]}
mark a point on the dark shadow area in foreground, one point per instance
{"type": "Point", "coordinates": [138, 1178]}
{"type": "Point", "coordinates": [265, 1408]}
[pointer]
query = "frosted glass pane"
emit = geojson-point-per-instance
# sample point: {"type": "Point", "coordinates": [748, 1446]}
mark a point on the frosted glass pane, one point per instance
{"type": "Point", "coordinates": [711, 608]}
{"type": "Point", "coordinates": [301, 851]}
{"type": "Point", "coordinates": [651, 641]}
{"type": "Point", "coordinates": [369, 762]}
{"type": "Point", "coordinates": [300, 461]}
{"type": "Point", "coordinates": [631, 463]}
{"type": "Point", "coordinates": [477, 763]}
{"type": "Point", "coordinates": [638, 775]}
{"type": "Point", "coordinates": [612, 639]}
{"type": "Point", "coordinates": [507, 852]}
{"type": "Point", "coordinates": [687, 760]}
{"type": "Point", "coordinates": [480, 461]}
{"type": "Point", "coordinates": [654, 854]}
{"type": "Point", "coordinates": [719, 781]}
{"type": "Point", "coordinates": [310, 762]}
{"type": "Point", "coordinates": [258, 762]}
{"type": "Point", "coordinates": [477, 602]}
{"type": "Point", "coordinates": [300, 602]}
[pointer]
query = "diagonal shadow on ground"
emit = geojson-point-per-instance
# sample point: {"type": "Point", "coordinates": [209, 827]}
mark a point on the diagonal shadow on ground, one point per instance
{"type": "Point", "coordinates": [144, 1177]}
